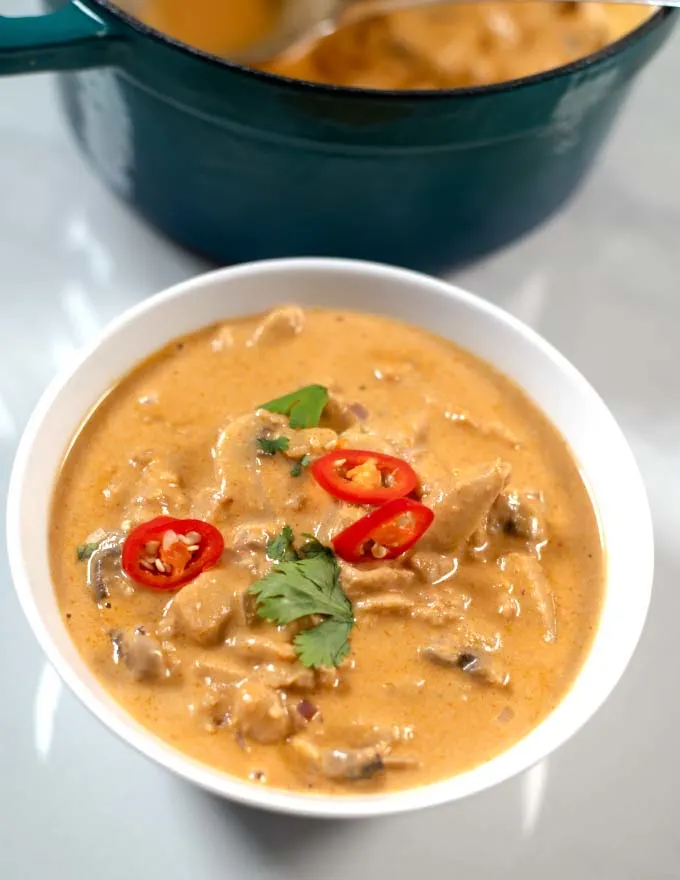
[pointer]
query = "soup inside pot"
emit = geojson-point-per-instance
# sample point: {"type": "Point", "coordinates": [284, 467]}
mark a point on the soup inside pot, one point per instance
{"type": "Point", "coordinates": [326, 551]}
{"type": "Point", "coordinates": [447, 46]}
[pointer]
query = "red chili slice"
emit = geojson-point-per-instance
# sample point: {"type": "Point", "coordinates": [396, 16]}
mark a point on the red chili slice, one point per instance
{"type": "Point", "coordinates": [384, 533]}
{"type": "Point", "coordinates": [166, 553]}
{"type": "Point", "coordinates": [364, 477]}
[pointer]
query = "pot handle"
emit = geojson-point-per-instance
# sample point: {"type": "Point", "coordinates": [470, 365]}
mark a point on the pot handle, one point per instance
{"type": "Point", "coordinates": [71, 38]}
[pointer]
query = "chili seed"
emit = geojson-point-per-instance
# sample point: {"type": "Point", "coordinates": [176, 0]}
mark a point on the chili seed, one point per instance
{"type": "Point", "coordinates": [159, 566]}
{"type": "Point", "coordinates": [378, 551]}
{"type": "Point", "coordinates": [193, 548]}
{"type": "Point", "coordinates": [169, 538]}
{"type": "Point", "coordinates": [152, 547]}
{"type": "Point", "coordinates": [193, 538]}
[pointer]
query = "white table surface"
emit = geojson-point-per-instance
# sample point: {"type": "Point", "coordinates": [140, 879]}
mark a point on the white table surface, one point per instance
{"type": "Point", "coordinates": [602, 282]}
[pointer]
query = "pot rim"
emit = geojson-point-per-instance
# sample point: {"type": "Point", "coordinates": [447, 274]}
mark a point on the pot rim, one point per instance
{"type": "Point", "coordinates": [655, 20]}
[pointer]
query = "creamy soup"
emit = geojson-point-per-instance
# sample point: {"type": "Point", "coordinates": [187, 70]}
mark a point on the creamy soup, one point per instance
{"type": "Point", "coordinates": [326, 551]}
{"type": "Point", "coordinates": [443, 46]}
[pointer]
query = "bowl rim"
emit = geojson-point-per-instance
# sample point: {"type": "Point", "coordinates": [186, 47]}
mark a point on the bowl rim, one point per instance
{"type": "Point", "coordinates": [484, 776]}
{"type": "Point", "coordinates": [432, 95]}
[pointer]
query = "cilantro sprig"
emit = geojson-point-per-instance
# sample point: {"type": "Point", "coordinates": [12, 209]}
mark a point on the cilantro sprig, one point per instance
{"type": "Point", "coordinates": [280, 548]}
{"type": "Point", "coordinates": [300, 465]}
{"type": "Point", "coordinates": [303, 407]}
{"type": "Point", "coordinates": [324, 645]}
{"type": "Point", "coordinates": [301, 583]}
{"type": "Point", "coordinates": [84, 551]}
{"type": "Point", "coordinates": [270, 446]}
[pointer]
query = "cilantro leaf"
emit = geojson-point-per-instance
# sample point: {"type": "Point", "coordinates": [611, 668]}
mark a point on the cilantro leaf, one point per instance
{"type": "Point", "coordinates": [324, 645]}
{"type": "Point", "coordinates": [84, 551]}
{"type": "Point", "coordinates": [314, 547]}
{"type": "Point", "coordinates": [298, 467]}
{"type": "Point", "coordinates": [280, 548]}
{"type": "Point", "coordinates": [303, 407]}
{"type": "Point", "coordinates": [268, 446]}
{"type": "Point", "coordinates": [300, 587]}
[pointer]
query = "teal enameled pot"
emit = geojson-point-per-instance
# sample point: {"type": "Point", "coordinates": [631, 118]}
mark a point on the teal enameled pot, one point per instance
{"type": "Point", "coordinates": [240, 165]}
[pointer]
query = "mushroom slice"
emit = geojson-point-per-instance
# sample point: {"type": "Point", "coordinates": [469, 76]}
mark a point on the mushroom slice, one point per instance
{"type": "Point", "coordinates": [341, 764]}
{"type": "Point", "coordinates": [140, 653]}
{"type": "Point", "coordinates": [369, 755]}
{"type": "Point", "coordinates": [521, 514]}
{"type": "Point", "coordinates": [109, 550]}
{"type": "Point", "coordinates": [469, 660]}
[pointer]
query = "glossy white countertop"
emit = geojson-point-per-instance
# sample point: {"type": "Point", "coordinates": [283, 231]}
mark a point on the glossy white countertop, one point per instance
{"type": "Point", "coordinates": [602, 282]}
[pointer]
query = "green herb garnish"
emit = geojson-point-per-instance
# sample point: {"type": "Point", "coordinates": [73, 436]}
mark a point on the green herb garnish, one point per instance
{"type": "Point", "coordinates": [84, 551]}
{"type": "Point", "coordinates": [314, 547]}
{"type": "Point", "coordinates": [303, 407]}
{"type": "Point", "coordinates": [324, 645]}
{"type": "Point", "coordinates": [280, 548]}
{"type": "Point", "coordinates": [269, 446]}
{"type": "Point", "coordinates": [299, 466]}
{"type": "Point", "coordinates": [307, 582]}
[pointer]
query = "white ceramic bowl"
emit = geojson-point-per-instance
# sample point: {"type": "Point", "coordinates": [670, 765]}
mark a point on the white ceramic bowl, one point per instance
{"type": "Point", "coordinates": [564, 395]}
